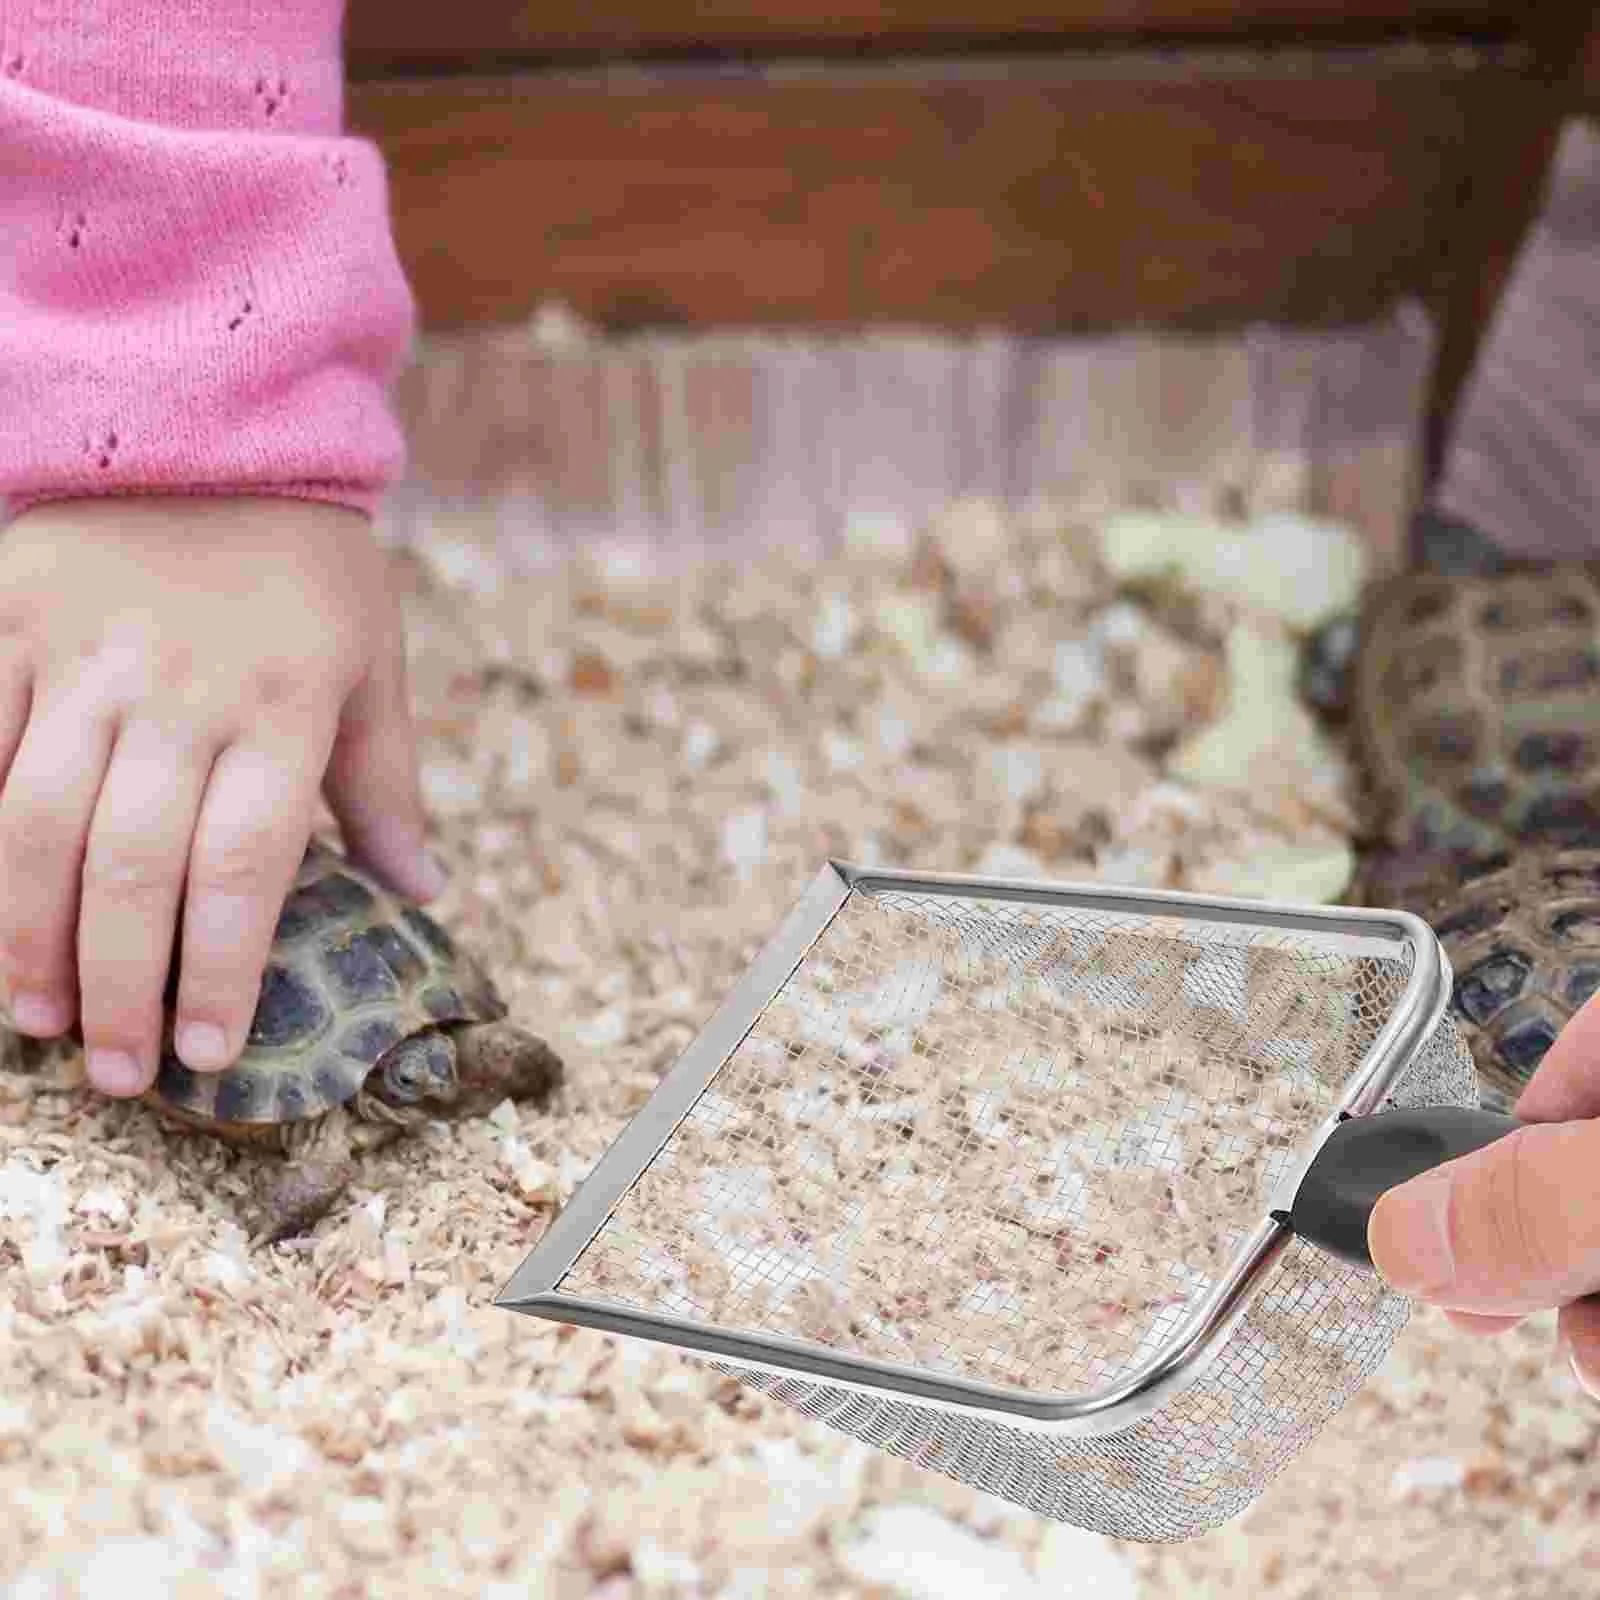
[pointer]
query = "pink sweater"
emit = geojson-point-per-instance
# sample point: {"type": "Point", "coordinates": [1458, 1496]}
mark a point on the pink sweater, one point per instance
{"type": "Point", "coordinates": [199, 292]}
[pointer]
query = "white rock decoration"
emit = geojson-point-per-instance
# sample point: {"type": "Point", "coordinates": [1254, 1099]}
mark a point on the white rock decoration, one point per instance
{"type": "Point", "coordinates": [1313, 568]}
{"type": "Point", "coordinates": [1296, 568]}
{"type": "Point", "coordinates": [1263, 718]}
{"type": "Point", "coordinates": [1307, 874]}
{"type": "Point", "coordinates": [1150, 544]}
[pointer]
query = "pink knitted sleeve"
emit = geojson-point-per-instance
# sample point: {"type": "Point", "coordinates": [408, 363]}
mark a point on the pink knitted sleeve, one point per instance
{"type": "Point", "coordinates": [199, 292]}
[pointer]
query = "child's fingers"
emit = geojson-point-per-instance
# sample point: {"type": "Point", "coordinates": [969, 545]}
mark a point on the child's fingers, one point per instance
{"type": "Point", "coordinates": [133, 872]}
{"type": "Point", "coordinates": [248, 845]}
{"type": "Point", "coordinates": [16, 696]}
{"type": "Point", "coordinates": [48, 800]}
{"type": "Point", "coordinates": [373, 786]}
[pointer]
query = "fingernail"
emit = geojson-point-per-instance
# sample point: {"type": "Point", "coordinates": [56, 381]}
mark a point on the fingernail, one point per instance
{"type": "Point", "coordinates": [202, 1045]}
{"type": "Point", "coordinates": [115, 1072]}
{"type": "Point", "coordinates": [1589, 1385]}
{"type": "Point", "coordinates": [432, 874]}
{"type": "Point", "coordinates": [38, 1013]}
{"type": "Point", "coordinates": [1416, 1217]}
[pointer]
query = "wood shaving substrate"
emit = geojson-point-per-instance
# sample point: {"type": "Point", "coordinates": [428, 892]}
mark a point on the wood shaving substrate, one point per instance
{"type": "Point", "coordinates": [632, 781]}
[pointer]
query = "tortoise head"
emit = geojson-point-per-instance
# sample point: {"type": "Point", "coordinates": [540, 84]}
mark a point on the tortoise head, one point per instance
{"type": "Point", "coordinates": [467, 1068]}
{"type": "Point", "coordinates": [417, 1071]}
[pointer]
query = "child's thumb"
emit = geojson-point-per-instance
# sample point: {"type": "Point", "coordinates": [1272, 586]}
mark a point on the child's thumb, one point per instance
{"type": "Point", "coordinates": [373, 785]}
{"type": "Point", "coordinates": [1509, 1230]}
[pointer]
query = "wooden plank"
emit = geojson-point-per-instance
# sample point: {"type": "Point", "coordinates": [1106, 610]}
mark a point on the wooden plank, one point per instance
{"type": "Point", "coordinates": [388, 31]}
{"type": "Point", "coordinates": [1521, 464]}
{"type": "Point", "coordinates": [679, 446]}
{"type": "Point", "coordinates": [1503, 188]}
{"type": "Point", "coordinates": [1055, 196]}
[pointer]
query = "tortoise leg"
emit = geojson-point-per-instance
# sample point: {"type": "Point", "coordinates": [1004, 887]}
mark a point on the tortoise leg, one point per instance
{"type": "Point", "coordinates": [496, 1061]}
{"type": "Point", "coordinates": [290, 1203]}
{"type": "Point", "coordinates": [19, 1052]}
{"type": "Point", "coordinates": [317, 1165]}
{"type": "Point", "coordinates": [43, 1059]}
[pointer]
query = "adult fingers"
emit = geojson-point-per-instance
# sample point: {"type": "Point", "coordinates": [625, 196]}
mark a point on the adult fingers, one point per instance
{"type": "Point", "coordinates": [133, 872]}
{"type": "Point", "coordinates": [45, 809]}
{"type": "Point", "coordinates": [248, 844]}
{"type": "Point", "coordinates": [16, 696]}
{"type": "Point", "coordinates": [1471, 1322]}
{"type": "Point", "coordinates": [1578, 1329]}
{"type": "Point", "coordinates": [1508, 1230]}
{"type": "Point", "coordinates": [373, 786]}
{"type": "Point", "coordinates": [1566, 1088]}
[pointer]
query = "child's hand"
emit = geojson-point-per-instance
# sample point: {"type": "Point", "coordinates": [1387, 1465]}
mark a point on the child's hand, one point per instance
{"type": "Point", "coordinates": [177, 675]}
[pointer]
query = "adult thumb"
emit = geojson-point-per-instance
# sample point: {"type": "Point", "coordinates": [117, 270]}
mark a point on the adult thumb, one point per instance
{"type": "Point", "coordinates": [1512, 1229]}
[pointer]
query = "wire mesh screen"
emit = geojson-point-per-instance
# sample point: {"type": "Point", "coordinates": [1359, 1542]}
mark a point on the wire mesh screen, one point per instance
{"type": "Point", "coordinates": [1077, 1121]}
{"type": "Point", "coordinates": [1316, 1331]}
{"type": "Point", "coordinates": [1021, 1144]}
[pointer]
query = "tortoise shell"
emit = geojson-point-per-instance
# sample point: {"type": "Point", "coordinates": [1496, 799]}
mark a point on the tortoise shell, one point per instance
{"type": "Point", "coordinates": [354, 968]}
{"type": "Point", "coordinates": [1475, 708]}
{"type": "Point", "coordinates": [1523, 938]}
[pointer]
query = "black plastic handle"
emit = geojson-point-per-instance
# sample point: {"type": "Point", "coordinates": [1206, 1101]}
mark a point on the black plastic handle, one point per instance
{"type": "Point", "coordinates": [1365, 1157]}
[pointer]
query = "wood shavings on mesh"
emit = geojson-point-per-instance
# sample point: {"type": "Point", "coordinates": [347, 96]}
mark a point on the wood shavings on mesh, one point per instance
{"type": "Point", "coordinates": [935, 1083]}
{"type": "Point", "coordinates": [631, 781]}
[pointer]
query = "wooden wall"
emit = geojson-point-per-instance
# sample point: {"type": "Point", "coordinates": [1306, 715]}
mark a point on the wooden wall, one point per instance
{"type": "Point", "coordinates": [384, 34]}
{"type": "Point", "coordinates": [1047, 168]}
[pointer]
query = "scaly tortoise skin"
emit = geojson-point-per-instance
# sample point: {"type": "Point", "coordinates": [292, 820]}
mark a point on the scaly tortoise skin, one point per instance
{"type": "Point", "coordinates": [370, 1021]}
{"type": "Point", "coordinates": [1523, 938]}
{"type": "Point", "coordinates": [1475, 709]}
{"type": "Point", "coordinates": [1470, 695]}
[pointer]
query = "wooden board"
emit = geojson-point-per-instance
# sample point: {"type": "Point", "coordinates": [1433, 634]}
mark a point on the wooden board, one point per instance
{"type": "Point", "coordinates": [682, 446]}
{"type": "Point", "coordinates": [1521, 464]}
{"type": "Point", "coordinates": [395, 30]}
{"type": "Point", "coordinates": [1044, 196]}
{"type": "Point", "coordinates": [1503, 186]}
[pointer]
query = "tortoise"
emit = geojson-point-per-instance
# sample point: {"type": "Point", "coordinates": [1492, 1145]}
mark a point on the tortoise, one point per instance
{"type": "Point", "coordinates": [1469, 693]}
{"type": "Point", "coordinates": [371, 1020]}
{"type": "Point", "coordinates": [1522, 931]}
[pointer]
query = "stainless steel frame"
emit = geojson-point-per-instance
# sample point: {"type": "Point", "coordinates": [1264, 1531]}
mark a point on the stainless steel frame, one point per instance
{"type": "Point", "coordinates": [533, 1288]}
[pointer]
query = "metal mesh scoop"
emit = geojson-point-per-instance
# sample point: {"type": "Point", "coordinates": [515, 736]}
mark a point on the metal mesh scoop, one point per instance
{"type": "Point", "coordinates": [1016, 1181]}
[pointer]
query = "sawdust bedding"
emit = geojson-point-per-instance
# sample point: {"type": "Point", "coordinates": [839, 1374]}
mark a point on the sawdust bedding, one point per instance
{"type": "Point", "coordinates": [932, 1087]}
{"type": "Point", "coordinates": [632, 780]}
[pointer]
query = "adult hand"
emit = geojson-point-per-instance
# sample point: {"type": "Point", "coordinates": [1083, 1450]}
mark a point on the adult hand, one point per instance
{"type": "Point", "coordinates": [1514, 1228]}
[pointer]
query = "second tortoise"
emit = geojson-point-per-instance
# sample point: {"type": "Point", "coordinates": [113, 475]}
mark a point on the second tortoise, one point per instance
{"type": "Point", "coordinates": [1469, 691]}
